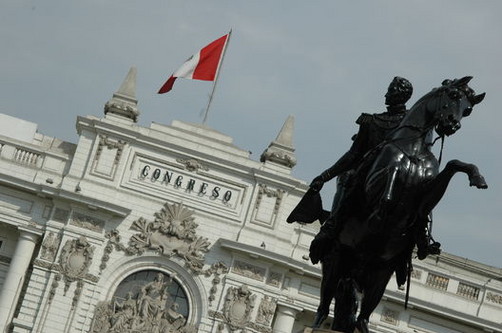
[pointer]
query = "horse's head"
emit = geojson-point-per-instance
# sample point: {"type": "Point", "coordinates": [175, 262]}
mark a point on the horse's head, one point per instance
{"type": "Point", "coordinates": [456, 101]}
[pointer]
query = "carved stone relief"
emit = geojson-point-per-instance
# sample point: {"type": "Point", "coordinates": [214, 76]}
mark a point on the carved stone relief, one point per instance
{"type": "Point", "coordinates": [192, 165]}
{"type": "Point", "coordinates": [149, 310]}
{"type": "Point", "coordinates": [75, 259]}
{"type": "Point", "coordinates": [416, 274]}
{"type": "Point", "coordinates": [266, 310]}
{"type": "Point", "coordinates": [239, 303]}
{"type": "Point", "coordinates": [50, 246]}
{"type": "Point", "coordinates": [390, 316]}
{"type": "Point", "coordinates": [274, 279]}
{"type": "Point", "coordinates": [87, 222]}
{"type": "Point", "coordinates": [237, 309]}
{"type": "Point", "coordinates": [494, 298]}
{"type": "Point", "coordinates": [248, 270]}
{"type": "Point", "coordinates": [172, 233]}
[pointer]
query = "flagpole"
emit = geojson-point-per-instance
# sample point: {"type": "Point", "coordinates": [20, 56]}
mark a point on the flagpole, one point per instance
{"type": "Point", "coordinates": [216, 78]}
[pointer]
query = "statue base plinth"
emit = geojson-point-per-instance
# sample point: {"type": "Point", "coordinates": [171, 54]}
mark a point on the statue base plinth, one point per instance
{"type": "Point", "coordinates": [318, 330]}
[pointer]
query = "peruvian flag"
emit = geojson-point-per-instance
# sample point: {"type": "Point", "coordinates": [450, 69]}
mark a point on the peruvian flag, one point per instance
{"type": "Point", "coordinates": [203, 65]}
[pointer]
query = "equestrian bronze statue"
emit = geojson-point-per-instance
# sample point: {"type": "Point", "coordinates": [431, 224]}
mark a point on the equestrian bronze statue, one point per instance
{"type": "Point", "coordinates": [388, 184]}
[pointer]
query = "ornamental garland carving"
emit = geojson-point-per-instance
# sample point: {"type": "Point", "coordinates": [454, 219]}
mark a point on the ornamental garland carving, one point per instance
{"type": "Point", "coordinates": [113, 237]}
{"type": "Point", "coordinates": [265, 190]}
{"type": "Point", "coordinates": [50, 246]}
{"type": "Point", "coordinates": [494, 298]}
{"type": "Point", "coordinates": [104, 141]}
{"type": "Point", "coordinates": [216, 269]}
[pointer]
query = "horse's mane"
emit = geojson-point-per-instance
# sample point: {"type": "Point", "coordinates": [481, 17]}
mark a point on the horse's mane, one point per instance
{"type": "Point", "coordinates": [429, 101]}
{"type": "Point", "coordinates": [433, 94]}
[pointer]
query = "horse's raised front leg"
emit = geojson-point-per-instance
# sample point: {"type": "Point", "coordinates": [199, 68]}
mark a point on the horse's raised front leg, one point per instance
{"type": "Point", "coordinates": [436, 187]}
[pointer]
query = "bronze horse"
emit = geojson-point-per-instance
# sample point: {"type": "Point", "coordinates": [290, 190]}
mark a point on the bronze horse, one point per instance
{"type": "Point", "coordinates": [396, 187]}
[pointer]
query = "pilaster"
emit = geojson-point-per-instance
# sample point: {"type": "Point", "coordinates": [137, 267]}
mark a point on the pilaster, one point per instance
{"type": "Point", "coordinates": [285, 317]}
{"type": "Point", "coordinates": [15, 276]}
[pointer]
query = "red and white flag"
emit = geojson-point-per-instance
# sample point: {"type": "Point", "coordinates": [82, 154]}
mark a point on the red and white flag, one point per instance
{"type": "Point", "coordinates": [203, 65]}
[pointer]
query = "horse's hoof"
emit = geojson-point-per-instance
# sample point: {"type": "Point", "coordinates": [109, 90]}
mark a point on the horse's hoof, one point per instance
{"type": "Point", "coordinates": [319, 319]}
{"type": "Point", "coordinates": [479, 182]}
{"type": "Point", "coordinates": [361, 326]}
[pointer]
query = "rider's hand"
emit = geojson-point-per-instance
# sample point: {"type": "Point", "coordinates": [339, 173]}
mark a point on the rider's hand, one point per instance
{"type": "Point", "coordinates": [317, 184]}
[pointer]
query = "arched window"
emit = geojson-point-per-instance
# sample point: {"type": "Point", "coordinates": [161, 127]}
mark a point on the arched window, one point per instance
{"type": "Point", "coordinates": [152, 291]}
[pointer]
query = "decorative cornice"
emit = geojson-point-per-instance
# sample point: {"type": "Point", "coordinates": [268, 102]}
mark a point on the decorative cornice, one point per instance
{"type": "Point", "coordinates": [467, 264]}
{"type": "Point", "coordinates": [278, 259]}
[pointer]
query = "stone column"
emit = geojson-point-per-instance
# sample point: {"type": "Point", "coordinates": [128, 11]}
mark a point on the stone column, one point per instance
{"type": "Point", "coordinates": [15, 276]}
{"type": "Point", "coordinates": [285, 317]}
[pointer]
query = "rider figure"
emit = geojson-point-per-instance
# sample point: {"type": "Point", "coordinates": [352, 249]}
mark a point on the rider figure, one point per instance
{"type": "Point", "coordinates": [373, 129]}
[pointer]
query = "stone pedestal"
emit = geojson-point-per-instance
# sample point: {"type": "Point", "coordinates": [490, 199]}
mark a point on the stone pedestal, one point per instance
{"type": "Point", "coordinates": [319, 330]}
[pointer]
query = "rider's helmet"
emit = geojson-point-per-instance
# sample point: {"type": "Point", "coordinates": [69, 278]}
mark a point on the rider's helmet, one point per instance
{"type": "Point", "coordinates": [399, 91]}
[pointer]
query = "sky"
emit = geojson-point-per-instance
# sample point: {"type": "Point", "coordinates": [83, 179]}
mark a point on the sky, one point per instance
{"type": "Point", "coordinates": [324, 62]}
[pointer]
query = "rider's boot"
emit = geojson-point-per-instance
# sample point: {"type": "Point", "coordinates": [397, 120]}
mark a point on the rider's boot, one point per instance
{"type": "Point", "coordinates": [323, 241]}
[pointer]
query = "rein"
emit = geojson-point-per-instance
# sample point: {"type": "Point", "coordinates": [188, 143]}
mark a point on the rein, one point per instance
{"type": "Point", "coordinates": [442, 147]}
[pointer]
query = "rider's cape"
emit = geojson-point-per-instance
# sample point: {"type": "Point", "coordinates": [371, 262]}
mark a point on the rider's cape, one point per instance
{"type": "Point", "coordinates": [309, 209]}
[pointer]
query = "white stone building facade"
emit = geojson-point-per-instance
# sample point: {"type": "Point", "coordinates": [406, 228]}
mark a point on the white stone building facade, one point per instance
{"type": "Point", "coordinates": [175, 229]}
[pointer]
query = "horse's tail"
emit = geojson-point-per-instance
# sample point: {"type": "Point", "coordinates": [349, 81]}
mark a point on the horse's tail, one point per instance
{"type": "Point", "coordinates": [408, 281]}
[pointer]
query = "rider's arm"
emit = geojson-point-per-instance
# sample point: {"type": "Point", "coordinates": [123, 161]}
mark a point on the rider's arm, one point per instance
{"type": "Point", "coordinates": [350, 159]}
